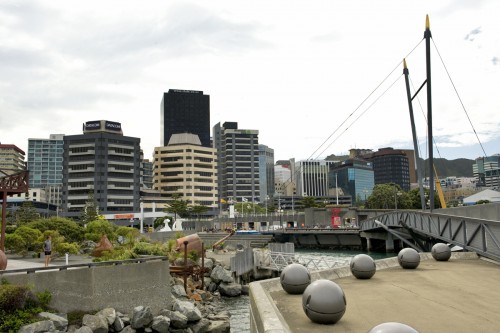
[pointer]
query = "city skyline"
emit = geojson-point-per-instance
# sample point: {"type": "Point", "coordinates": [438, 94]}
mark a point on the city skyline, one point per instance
{"type": "Point", "coordinates": [297, 72]}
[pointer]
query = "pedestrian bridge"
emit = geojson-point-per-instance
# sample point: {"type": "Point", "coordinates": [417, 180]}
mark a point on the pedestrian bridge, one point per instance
{"type": "Point", "coordinates": [422, 229]}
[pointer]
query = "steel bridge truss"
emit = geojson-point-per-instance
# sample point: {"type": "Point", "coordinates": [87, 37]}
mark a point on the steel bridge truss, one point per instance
{"type": "Point", "coordinates": [472, 234]}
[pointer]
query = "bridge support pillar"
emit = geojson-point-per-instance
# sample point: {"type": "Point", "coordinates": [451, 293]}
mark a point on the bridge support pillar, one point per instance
{"type": "Point", "coordinates": [389, 243]}
{"type": "Point", "coordinates": [369, 244]}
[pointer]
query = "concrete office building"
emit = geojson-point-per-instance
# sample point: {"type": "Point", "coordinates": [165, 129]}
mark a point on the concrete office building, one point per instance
{"type": "Point", "coordinates": [238, 162]}
{"type": "Point", "coordinates": [486, 170]}
{"type": "Point", "coordinates": [185, 168]}
{"type": "Point", "coordinates": [103, 162]}
{"type": "Point", "coordinates": [45, 164]}
{"type": "Point", "coordinates": [45, 161]}
{"type": "Point", "coordinates": [11, 159]}
{"type": "Point", "coordinates": [266, 173]}
{"type": "Point", "coordinates": [185, 111]}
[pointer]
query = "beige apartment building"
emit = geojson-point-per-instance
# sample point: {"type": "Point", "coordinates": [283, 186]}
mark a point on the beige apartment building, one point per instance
{"type": "Point", "coordinates": [11, 159]}
{"type": "Point", "coordinates": [186, 168]}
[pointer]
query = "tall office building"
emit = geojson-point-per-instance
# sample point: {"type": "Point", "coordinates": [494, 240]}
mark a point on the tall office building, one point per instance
{"type": "Point", "coordinates": [102, 162]}
{"type": "Point", "coordinates": [146, 174]}
{"type": "Point", "coordinates": [266, 173]}
{"type": "Point", "coordinates": [45, 161]}
{"type": "Point", "coordinates": [354, 176]}
{"type": "Point", "coordinates": [390, 166]}
{"type": "Point", "coordinates": [185, 111]}
{"type": "Point", "coordinates": [185, 168]}
{"type": "Point", "coordinates": [11, 159]}
{"type": "Point", "coordinates": [312, 178]}
{"type": "Point", "coordinates": [486, 170]}
{"type": "Point", "coordinates": [238, 162]}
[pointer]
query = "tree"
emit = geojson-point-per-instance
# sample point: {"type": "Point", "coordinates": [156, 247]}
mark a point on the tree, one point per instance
{"type": "Point", "coordinates": [308, 202]}
{"type": "Point", "coordinates": [198, 210]}
{"type": "Point", "coordinates": [90, 211]}
{"type": "Point", "coordinates": [177, 207]}
{"type": "Point", "coordinates": [389, 196]}
{"type": "Point", "coordinates": [96, 229]}
{"type": "Point", "coordinates": [26, 213]}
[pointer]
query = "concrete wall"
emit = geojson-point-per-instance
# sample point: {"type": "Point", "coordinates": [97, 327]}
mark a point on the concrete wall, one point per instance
{"type": "Point", "coordinates": [122, 287]}
{"type": "Point", "coordinates": [489, 211]}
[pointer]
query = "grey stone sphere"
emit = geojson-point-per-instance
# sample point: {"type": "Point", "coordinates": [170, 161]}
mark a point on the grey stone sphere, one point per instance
{"type": "Point", "coordinates": [363, 266]}
{"type": "Point", "coordinates": [408, 258]}
{"type": "Point", "coordinates": [441, 252]}
{"type": "Point", "coordinates": [295, 278]}
{"type": "Point", "coordinates": [324, 302]}
{"type": "Point", "coordinates": [391, 327]}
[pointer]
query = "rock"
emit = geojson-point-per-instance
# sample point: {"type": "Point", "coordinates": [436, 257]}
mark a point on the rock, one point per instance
{"type": "Point", "coordinates": [201, 326]}
{"type": "Point", "coordinates": [98, 324]}
{"type": "Point", "coordinates": [219, 327]}
{"type": "Point", "coordinates": [161, 324]}
{"type": "Point", "coordinates": [109, 314]}
{"type": "Point", "coordinates": [212, 287]}
{"type": "Point", "coordinates": [220, 274]}
{"type": "Point", "coordinates": [141, 317]}
{"type": "Point", "coordinates": [177, 319]}
{"type": "Point", "coordinates": [188, 309]}
{"type": "Point", "coordinates": [38, 327]}
{"type": "Point", "coordinates": [118, 324]}
{"type": "Point", "coordinates": [84, 329]}
{"type": "Point", "coordinates": [230, 289]}
{"type": "Point", "coordinates": [128, 329]}
{"type": "Point", "coordinates": [245, 289]}
{"type": "Point", "coordinates": [60, 321]}
{"type": "Point", "coordinates": [178, 291]}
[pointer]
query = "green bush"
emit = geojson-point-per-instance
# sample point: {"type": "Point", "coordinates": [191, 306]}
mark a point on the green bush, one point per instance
{"type": "Point", "coordinates": [72, 231]}
{"type": "Point", "coordinates": [143, 248]}
{"type": "Point", "coordinates": [96, 229]}
{"type": "Point", "coordinates": [71, 248]}
{"type": "Point", "coordinates": [13, 297]}
{"type": "Point", "coordinates": [16, 243]}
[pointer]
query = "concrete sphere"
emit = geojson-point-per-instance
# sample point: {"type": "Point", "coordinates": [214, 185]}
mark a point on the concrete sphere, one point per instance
{"type": "Point", "coordinates": [363, 266]}
{"type": "Point", "coordinates": [295, 278]}
{"type": "Point", "coordinates": [408, 258]}
{"type": "Point", "coordinates": [323, 302]}
{"type": "Point", "coordinates": [441, 252]}
{"type": "Point", "coordinates": [391, 327]}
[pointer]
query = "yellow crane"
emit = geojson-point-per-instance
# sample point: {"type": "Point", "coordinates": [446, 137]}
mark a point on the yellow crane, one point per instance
{"type": "Point", "coordinates": [439, 190]}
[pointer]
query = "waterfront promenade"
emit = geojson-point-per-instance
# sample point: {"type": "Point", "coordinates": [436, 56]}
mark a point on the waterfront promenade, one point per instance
{"type": "Point", "coordinates": [459, 295]}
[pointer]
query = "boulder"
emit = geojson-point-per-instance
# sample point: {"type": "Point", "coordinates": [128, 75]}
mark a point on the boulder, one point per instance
{"type": "Point", "coordinates": [98, 324]}
{"type": "Point", "coordinates": [141, 317]}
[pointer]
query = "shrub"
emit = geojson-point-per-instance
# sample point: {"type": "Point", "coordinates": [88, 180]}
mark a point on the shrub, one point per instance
{"type": "Point", "coordinates": [13, 297]}
{"type": "Point", "coordinates": [19, 306]}
{"type": "Point", "coordinates": [72, 231]}
{"type": "Point", "coordinates": [142, 248]}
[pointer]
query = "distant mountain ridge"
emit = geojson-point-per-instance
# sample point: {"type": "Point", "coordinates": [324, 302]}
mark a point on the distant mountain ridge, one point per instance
{"type": "Point", "coordinates": [460, 167]}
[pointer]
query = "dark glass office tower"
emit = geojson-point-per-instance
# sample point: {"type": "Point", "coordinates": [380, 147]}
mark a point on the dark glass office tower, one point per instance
{"type": "Point", "coordinates": [185, 111]}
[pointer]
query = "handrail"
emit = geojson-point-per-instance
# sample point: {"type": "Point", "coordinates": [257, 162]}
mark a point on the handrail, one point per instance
{"type": "Point", "coordinates": [88, 265]}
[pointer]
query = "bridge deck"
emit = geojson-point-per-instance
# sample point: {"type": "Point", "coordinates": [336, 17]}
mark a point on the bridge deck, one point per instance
{"type": "Point", "coordinates": [455, 296]}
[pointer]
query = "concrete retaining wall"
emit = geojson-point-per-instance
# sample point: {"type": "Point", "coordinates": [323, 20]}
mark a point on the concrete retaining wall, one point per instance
{"type": "Point", "coordinates": [122, 287]}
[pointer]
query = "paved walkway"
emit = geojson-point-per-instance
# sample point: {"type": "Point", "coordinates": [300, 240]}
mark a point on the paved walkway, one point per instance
{"type": "Point", "coordinates": [460, 295]}
{"type": "Point", "coordinates": [18, 262]}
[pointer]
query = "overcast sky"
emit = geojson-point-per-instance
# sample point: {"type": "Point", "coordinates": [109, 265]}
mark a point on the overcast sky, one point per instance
{"type": "Point", "coordinates": [314, 77]}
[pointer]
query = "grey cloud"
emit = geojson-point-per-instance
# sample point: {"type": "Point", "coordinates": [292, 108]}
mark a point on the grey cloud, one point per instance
{"type": "Point", "coordinates": [472, 34]}
{"type": "Point", "coordinates": [495, 61]}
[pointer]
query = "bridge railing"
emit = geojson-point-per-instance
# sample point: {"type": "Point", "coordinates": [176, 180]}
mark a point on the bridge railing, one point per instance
{"type": "Point", "coordinates": [277, 261]}
{"type": "Point", "coordinates": [479, 235]}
